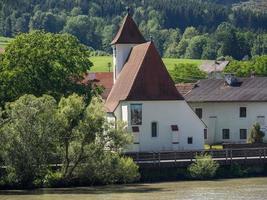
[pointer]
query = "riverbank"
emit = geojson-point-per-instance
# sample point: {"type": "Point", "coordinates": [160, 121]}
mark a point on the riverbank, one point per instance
{"type": "Point", "coordinates": [227, 189]}
{"type": "Point", "coordinates": [158, 174]}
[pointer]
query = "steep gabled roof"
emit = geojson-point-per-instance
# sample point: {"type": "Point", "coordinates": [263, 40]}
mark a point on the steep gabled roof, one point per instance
{"type": "Point", "coordinates": [143, 78]}
{"type": "Point", "coordinates": [128, 33]}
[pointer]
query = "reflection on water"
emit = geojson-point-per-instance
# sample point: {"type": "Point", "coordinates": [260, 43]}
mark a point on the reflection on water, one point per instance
{"type": "Point", "coordinates": [232, 189]}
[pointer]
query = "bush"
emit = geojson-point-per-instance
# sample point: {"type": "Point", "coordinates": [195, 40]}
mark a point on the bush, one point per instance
{"type": "Point", "coordinates": [256, 135]}
{"type": "Point", "coordinates": [110, 168]}
{"type": "Point", "coordinates": [53, 179]}
{"type": "Point", "coordinates": [203, 168]}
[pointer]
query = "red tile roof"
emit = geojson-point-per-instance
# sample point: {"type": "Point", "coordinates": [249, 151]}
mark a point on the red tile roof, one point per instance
{"type": "Point", "coordinates": [128, 33]}
{"type": "Point", "coordinates": [144, 77]}
{"type": "Point", "coordinates": [104, 79]}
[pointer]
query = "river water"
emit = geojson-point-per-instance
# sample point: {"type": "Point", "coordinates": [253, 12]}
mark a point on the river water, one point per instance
{"type": "Point", "coordinates": [230, 189]}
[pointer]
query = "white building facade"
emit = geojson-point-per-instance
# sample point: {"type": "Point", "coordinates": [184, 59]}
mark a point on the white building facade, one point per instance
{"type": "Point", "coordinates": [230, 122]}
{"type": "Point", "coordinates": [144, 96]}
{"type": "Point", "coordinates": [230, 111]}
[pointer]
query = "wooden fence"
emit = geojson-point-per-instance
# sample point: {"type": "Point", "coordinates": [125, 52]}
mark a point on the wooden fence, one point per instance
{"type": "Point", "coordinates": [183, 158]}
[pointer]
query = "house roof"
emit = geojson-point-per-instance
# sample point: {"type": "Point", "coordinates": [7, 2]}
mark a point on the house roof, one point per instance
{"type": "Point", "coordinates": [104, 79]}
{"type": "Point", "coordinates": [215, 90]}
{"type": "Point", "coordinates": [144, 77]}
{"type": "Point", "coordinates": [213, 66]}
{"type": "Point", "coordinates": [184, 88]}
{"type": "Point", "coordinates": [128, 33]}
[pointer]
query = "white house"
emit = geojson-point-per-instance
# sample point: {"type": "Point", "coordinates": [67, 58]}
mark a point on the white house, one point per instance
{"type": "Point", "coordinates": [145, 97]}
{"type": "Point", "coordinates": [229, 109]}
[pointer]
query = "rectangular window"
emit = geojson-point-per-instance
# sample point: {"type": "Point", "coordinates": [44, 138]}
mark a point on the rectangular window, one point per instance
{"type": "Point", "coordinates": [136, 114]}
{"type": "Point", "coordinates": [135, 129]}
{"type": "Point", "coordinates": [243, 112]}
{"type": "Point", "coordinates": [199, 112]}
{"type": "Point", "coordinates": [154, 129]}
{"type": "Point", "coordinates": [243, 134]}
{"type": "Point", "coordinates": [174, 128]}
{"type": "Point", "coordinates": [189, 140]}
{"type": "Point", "coordinates": [225, 134]}
{"type": "Point", "coordinates": [205, 134]}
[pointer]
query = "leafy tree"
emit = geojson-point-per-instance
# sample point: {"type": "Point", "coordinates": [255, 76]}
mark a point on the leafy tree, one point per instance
{"type": "Point", "coordinates": [28, 138]}
{"type": "Point", "coordinates": [190, 32]}
{"type": "Point", "coordinates": [203, 168]}
{"type": "Point", "coordinates": [85, 132]}
{"type": "Point", "coordinates": [195, 47]}
{"type": "Point", "coordinates": [43, 63]}
{"type": "Point", "coordinates": [210, 49]}
{"type": "Point", "coordinates": [187, 73]}
{"type": "Point", "coordinates": [260, 45]}
{"type": "Point", "coordinates": [181, 48]}
{"type": "Point", "coordinates": [258, 66]}
{"type": "Point", "coordinates": [256, 135]}
{"type": "Point", "coordinates": [82, 27]}
{"type": "Point", "coordinates": [46, 21]}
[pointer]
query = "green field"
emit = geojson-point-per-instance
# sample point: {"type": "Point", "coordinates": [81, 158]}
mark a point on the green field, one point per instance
{"type": "Point", "coordinates": [4, 41]}
{"type": "Point", "coordinates": [101, 63]}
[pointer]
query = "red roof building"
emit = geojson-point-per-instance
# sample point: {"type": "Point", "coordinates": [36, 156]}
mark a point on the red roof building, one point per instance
{"type": "Point", "coordinates": [143, 77]}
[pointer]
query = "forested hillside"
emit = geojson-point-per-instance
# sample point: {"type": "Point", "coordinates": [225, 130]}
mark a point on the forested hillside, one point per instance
{"type": "Point", "coordinates": [198, 29]}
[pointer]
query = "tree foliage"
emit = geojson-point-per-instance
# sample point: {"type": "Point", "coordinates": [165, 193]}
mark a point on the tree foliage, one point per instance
{"type": "Point", "coordinates": [95, 22]}
{"type": "Point", "coordinates": [37, 132]}
{"type": "Point", "coordinates": [257, 66]}
{"type": "Point", "coordinates": [256, 135]}
{"type": "Point", "coordinates": [43, 63]}
{"type": "Point", "coordinates": [28, 138]}
{"type": "Point", "coordinates": [203, 168]}
{"type": "Point", "coordinates": [187, 73]}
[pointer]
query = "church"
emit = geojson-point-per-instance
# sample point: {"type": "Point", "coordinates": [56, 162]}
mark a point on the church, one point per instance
{"type": "Point", "coordinates": [144, 96]}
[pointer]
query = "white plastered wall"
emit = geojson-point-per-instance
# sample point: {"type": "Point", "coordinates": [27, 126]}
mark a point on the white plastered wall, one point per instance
{"type": "Point", "coordinates": [165, 113]}
{"type": "Point", "coordinates": [223, 115]}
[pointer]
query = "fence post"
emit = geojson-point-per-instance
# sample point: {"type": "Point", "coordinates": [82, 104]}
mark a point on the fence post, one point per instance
{"type": "Point", "coordinates": [154, 159]}
{"type": "Point", "coordinates": [226, 156]}
{"type": "Point", "coordinates": [231, 154]}
{"type": "Point", "coordinates": [159, 158]}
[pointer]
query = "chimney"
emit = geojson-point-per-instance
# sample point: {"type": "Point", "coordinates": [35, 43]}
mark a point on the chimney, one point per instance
{"type": "Point", "coordinates": [230, 80]}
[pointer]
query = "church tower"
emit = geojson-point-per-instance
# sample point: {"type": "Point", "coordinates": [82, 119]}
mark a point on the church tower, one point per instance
{"type": "Point", "coordinates": [126, 38]}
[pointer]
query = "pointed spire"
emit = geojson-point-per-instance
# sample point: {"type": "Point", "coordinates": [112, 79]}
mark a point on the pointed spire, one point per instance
{"type": "Point", "coordinates": [128, 32]}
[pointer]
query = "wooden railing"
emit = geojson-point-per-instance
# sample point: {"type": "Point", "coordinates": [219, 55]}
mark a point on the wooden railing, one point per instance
{"type": "Point", "coordinates": [180, 156]}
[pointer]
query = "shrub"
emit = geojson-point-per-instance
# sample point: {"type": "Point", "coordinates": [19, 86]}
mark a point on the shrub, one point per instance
{"type": "Point", "coordinates": [204, 167]}
{"type": "Point", "coordinates": [53, 179]}
{"type": "Point", "coordinates": [256, 135]}
{"type": "Point", "coordinates": [110, 168]}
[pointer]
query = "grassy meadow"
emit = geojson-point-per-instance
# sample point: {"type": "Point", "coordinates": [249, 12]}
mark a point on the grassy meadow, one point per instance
{"type": "Point", "coordinates": [101, 63]}
{"type": "Point", "coordinates": [4, 41]}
